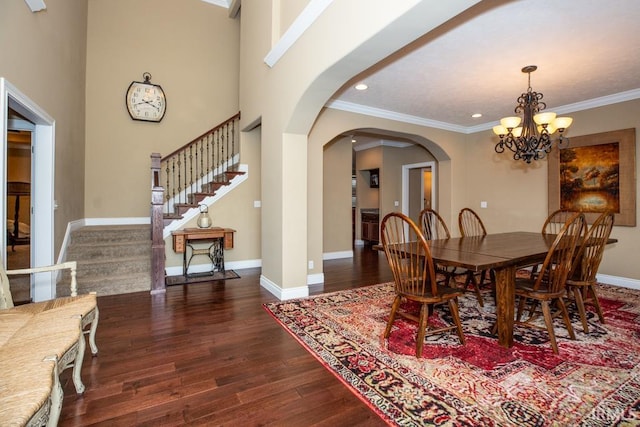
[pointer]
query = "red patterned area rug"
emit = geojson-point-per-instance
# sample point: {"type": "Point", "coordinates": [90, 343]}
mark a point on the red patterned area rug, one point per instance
{"type": "Point", "coordinates": [594, 381]}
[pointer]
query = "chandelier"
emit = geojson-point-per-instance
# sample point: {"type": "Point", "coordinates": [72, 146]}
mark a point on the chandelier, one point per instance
{"type": "Point", "coordinates": [532, 139]}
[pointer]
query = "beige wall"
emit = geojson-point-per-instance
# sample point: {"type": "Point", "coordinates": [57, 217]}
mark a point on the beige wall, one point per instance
{"type": "Point", "coordinates": [336, 196]}
{"type": "Point", "coordinates": [236, 210]}
{"type": "Point", "coordinates": [331, 123]}
{"type": "Point", "coordinates": [43, 56]}
{"type": "Point", "coordinates": [517, 194]}
{"type": "Point", "coordinates": [290, 96]}
{"type": "Point", "coordinates": [366, 196]}
{"type": "Point", "coordinates": [110, 177]}
{"type": "Point", "coordinates": [393, 160]}
{"type": "Point", "coordinates": [191, 48]}
{"type": "Point", "coordinates": [288, 12]}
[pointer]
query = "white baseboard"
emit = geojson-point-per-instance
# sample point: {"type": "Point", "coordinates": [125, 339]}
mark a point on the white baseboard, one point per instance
{"type": "Point", "coordinates": [116, 221]}
{"type": "Point", "coordinates": [337, 255]}
{"type": "Point", "coordinates": [314, 279]}
{"type": "Point", "coordinates": [618, 281]}
{"type": "Point", "coordinates": [176, 270]}
{"type": "Point", "coordinates": [286, 293]}
{"type": "Point", "coordinates": [239, 265]}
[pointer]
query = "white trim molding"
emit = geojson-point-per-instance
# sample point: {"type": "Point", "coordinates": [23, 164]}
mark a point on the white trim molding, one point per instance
{"type": "Point", "coordinates": [283, 293]}
{"type": "Point", "coordinates": [338, 255]}
{"type": "Point", "coordinates": [618, 281]}
{"type": "Point", "coordinates": [314, 279]}
{"type": "Point", "coordinates": [406, 118]}
{"type": "Point", "coordinates": [308, 16]}
{"type": "Point", "coordinates": [36, 5]}
{"type": "Point", "coordinates": [209, 200]}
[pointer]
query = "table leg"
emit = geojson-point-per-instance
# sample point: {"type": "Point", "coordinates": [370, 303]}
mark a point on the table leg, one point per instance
{"type": "Point", "coordinates": [505, 302]}
{"type": "Point", "coordinates": [184, 262]}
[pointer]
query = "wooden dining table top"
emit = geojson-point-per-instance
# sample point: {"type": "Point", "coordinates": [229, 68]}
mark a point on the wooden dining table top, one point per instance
{"type": "Point", "coordinates": [491, 251]}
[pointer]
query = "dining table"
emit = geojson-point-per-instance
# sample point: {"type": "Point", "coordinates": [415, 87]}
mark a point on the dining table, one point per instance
{"type": "Point", "coordinates": [504, 253]}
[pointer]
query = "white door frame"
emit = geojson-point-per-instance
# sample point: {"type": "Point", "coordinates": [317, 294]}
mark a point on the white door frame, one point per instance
{"type": "Point", "coordinates": [43, 285]}
{"type": "Point", "coordinates": [405, 184]}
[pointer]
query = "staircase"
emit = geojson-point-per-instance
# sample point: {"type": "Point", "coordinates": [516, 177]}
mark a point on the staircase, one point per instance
{"type": "Point", "coordinates": [111, 259]}
{"type": "Point", "coordinates": [191, 175]}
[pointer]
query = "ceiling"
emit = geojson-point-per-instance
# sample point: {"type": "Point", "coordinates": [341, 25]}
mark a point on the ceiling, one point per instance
{"type": "Point", "coordinates": [587, 53]}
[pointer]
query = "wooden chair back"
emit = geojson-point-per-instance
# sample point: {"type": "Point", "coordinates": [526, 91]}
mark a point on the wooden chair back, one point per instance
{"type": "Point", "coordinates": [554, 222]}
{"type": "Point", "coordinates": [470, 223]}
{"type": "Point", "coordinates": [589, 254]}
{"type": "Point", "coordinates": [432, 225]}
{"type": "Point", "coordinates": [409, 256]}
{"type": "Point", "coordinates": [559, 260]}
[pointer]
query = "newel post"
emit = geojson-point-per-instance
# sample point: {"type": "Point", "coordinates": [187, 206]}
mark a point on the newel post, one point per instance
{"type": "Point", "coordinates": [157, 226]}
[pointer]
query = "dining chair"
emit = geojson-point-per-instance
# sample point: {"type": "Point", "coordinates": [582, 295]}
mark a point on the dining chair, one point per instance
{"type": "Point", "coordinates": [470, 224]}
{"type": "Point", "coordinates": [581, 285]}
{"type": "Point", "coordinates": [434, 227]}
{"type": "Point", "coordinates": [414, 276]}
{"type": "Point", "coordinates": [549, 286]}
{"type": "Point", "coordinates": [556, 220]}
{"type": "Point", "coordinates": [552, 225]}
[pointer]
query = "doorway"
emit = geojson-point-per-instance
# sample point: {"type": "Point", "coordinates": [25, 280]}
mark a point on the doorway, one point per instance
{"type": "Point", "coordinates": [42, 286]}
{"type": "Point", "coordinates": [419, 188]}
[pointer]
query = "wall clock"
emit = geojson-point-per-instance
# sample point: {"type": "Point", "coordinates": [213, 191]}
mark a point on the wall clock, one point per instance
{"type": "Point", "coordinates": [145, 100]}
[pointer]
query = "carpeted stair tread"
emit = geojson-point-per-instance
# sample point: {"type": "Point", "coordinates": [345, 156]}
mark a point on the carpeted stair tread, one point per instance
{"type": "Point", "coordinates": [111, 266]}
{"type": "Point", "coordinates": [111, 259]}
{"type": "Point", "coordinates": [117, 233]}
{"type": "Point", "coordinates": [112, 285]}
{"type": "Point", "coordinates": [101, 250]}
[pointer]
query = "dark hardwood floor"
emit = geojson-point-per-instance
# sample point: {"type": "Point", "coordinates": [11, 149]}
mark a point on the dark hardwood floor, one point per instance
{"type": "Point", "coordinates": [209, 354]}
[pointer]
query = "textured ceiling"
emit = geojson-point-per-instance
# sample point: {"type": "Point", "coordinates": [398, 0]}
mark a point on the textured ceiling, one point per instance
{"type": "Point", "coordinates": [584, 50]}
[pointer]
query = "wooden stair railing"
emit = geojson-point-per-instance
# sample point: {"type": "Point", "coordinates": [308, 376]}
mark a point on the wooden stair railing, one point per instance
{"type": "Point", "coordinates": [184, 178]}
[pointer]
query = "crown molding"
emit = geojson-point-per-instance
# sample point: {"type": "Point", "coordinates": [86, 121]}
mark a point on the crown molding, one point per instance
{"type": "Point", "coordinates": [381, 142]}
{"type": "Point", "coordinates": [405, 118]}
{"type": "Point", "coordinates": [392, 115]}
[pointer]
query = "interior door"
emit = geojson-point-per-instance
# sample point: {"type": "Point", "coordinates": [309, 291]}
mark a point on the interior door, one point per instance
{"type": "Point", "coordinates": [42, 188]}
{"type": "Point", "coordinates": [18, 202]}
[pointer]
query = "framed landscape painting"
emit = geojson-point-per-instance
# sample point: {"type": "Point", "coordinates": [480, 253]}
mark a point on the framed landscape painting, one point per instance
{"type": "Point", "coordinates": [594, 174]}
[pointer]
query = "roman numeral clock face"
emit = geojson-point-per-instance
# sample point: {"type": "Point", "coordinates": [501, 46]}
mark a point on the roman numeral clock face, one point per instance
{"type": "Point", "coordinates": [146, 101]}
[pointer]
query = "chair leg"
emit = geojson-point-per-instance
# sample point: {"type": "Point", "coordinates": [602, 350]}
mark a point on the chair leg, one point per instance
{"type": "Point", "coordinates": [565, 316]}
{"type": "Point", "coordinates": [577, 295]}
{"type": "Point", "coordinates": [453, 306]}
{"type": "Point", "coordinates": [521, 302]}
{"type": "Point", "coordinates": [534, 272]}
{"type": "Point", "coordinates": [476, 287]}
{"type": "Point", "coordinates": [596, 302]}
{"type": "Point", "coordinates": [392, 315]}
{"type": "Point", "coordinates": [77, 364]}
{"type": "Point", "coordinates": [422, 328]}
{"type": "Point", "coordinates": [92, 320]}
{"type": "Point", "coordinates": [548, 320]}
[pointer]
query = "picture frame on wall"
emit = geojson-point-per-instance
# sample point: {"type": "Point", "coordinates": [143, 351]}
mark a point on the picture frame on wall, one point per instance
{"type": "Point", "coordinates": [594, 174]}
{"type": "Point", "coordinates": [374, 178]}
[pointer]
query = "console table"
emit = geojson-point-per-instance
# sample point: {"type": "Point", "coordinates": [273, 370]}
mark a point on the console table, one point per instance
{"type": "Point", "coordinates": [218, 238]}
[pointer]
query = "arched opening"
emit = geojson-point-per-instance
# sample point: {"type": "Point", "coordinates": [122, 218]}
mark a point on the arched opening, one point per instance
{"type": "Point", "coordinates": [367, 173]}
